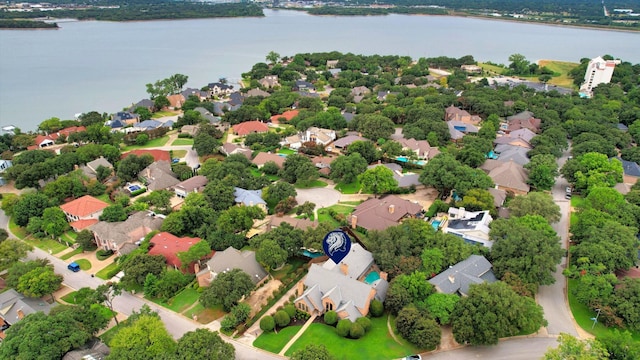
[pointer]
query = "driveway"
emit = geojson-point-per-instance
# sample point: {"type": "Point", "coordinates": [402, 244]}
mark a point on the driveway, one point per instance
{"type": "Point", "coordinates": [322, 197]}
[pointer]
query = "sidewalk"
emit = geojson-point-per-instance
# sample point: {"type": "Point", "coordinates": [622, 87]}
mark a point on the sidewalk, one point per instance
{"type": "Point", "coordinates": [297, 335]}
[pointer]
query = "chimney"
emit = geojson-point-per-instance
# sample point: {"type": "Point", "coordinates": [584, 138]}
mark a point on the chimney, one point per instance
{"type": "Point", "coordinates": [354, 221]}
{"type": "Point", "coordinates": [452, 279]}
{"type": "Point", "coordinates": [20, 314]}
{"type": "Point", "coordinates": [384, 275]}
{"type": "Point", "coordinates": [392, 209]}
{"type": "Point", "coordinates": [344, 268]}
{"type": "Point", "coordinates": [461, 213]}
{"type": "Point", "coordinates": [196, 268]}
{"type": "Point", "coordinates": [300, 288]}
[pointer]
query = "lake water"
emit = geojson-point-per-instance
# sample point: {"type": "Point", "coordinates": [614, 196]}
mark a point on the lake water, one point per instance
{"type": "Point", "coordinates": [104, 66]}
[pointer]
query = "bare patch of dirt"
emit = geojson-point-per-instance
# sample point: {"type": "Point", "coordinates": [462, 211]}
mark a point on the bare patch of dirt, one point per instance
{"type": "Point", "coordinates": [259, 297]}
{"type": "Point", "coordinates": [424, 196]}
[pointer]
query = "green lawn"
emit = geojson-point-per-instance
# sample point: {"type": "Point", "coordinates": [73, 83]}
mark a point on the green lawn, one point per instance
{"type": "Point", "coordinates": [152, 143]}
{"type": "Point", "coordinates": [205, 315]}
{"type": "Point", "coordinates": [46, 244]}
{"type": "Point", "coordinates": [272, 342]}
{"type": "Point", "coordinates": [84, 264]}
{"type": "Point", "coordinates": [561, 72]}
{"type": "Point", "coordinates": [102, 274]}
{"type": "Point", "coordinates": [491, 68]}
{"type": "Point", "coordinates": [105, 198]}
{"type": "Point", "coordinates": [179, 153]}
{"type": "Point", "coordinates": [180, 302]}
{"type": "Point", "coordinates": [109, 334]}
{"type": "Point", "coordinates": [184, 141]}
{"type": "Point", "coordinates": [313, 184]}
{"type": "Point", "coordinates": [583, 315]}
{"type": "Point", "coordinates": [350, 188]}
{"type": "Point", "coordinates": [16, 230]}
{"type": "Point", "coordinates": [257, 173]}
{"type": "Point", "coordinates": [577, 201]}
{"type": "Point", "coordinates": [287, 151]}
{"type": "Point", "coordinates": [376, 344]}
{"type": "Point", "coordinates": [69, 236]}
{"type": "Point", "coordinates": [70, 298]}
{"type": "Point", "coordinates": [354, 203]}
{"type": "Point", "coordinates": [71, 254]}
{"type": "Point", "coordinates": [160, 114]}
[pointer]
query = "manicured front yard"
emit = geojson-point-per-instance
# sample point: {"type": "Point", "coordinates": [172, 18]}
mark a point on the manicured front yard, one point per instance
{"type": "Point", "coordinates": [583, 315]}
{"type": "Point", "coordinates": [205, 315]}
{"type": "Point", "coordinates": [257, 173]}
{"type": "Point", "coordinates": [184, 141]}
{"type": "Point", "coordinates": [180, 302]}
{"type": "Point", "coordinates": [313, 184]}
{"type": "Point", "coordinates": [273, 342]}
{"type": "Point", "coordinates": [350, 188]}
{"type": "Point", "coordinates": [160, 114]}
{"type": "Point", "coordinates": [71, 254]}
{"type": "Point", "coordinates": [104, 273]}
{"type": "Point", "coordinates": [47, 245]}
{"type": "Point", "coordinates": [16, 230]}
{"type": "Point", "coordinates": [179, 153]}
{"type": "Point", "coordinates": [376, 344]}
{"type": "Point", "coordinates": [287, 151]}
{"type": "Point", "coordinates": [84, 264]}
{"type": "Point", "coordinates": [161, 141]}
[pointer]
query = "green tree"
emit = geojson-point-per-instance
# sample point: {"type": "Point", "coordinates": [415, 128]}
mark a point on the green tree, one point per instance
{"type": "Point", "coordinates": [203, 344]}
{"type": "Point", "coordinates": [145, 338]}
{"type": "Point", "coordinates": [227, 289]}
{"type": "Point", "coordinates": [366, 149]}
{"type": "Point", "coordinates": [39, 282]}
{"type": "Point", "coordinates": [535, 203]}
{"type": "Point", "coordinates": [312, 352]}
{"type": "Point", "coordinates": [626, 300]}
{"type": "Point", "coordinates": [378, 180]}
{"type": "Point", "coordinates": [592, 169]}
{"type": "Point", "coordinates": [492, 311]}
{"type": "Point", "coordinates": [205, 144]}
{"type": "Point", "coordinates": [29, 206]}
{"type": "Point", "coordinates": [374, 126]}
{"type": "Point", "coordinates": [612, 245]}
{"type": "Point", "coordinates": [142, 139]}
{"type": "Point", "coordinates": [132, 165]}
{"type": "Point", "coordinates": [445, 173]}
{"type": "Point", "coordinates": [519, 64]}
{"type": "Point", "coordinates": [113, 213]}
{"type": "Point", "coordinates": [55, 221]}
{"type": "Point", "coordinates": [347, 168]}
{"type": "Point", "coordinates": [526, 246]}
{"type": "Point", "coordinates": [441, 306]}
{"type": "Point", "coordinates": [11, 251]}
{"type": "Point", "coordinates": [477, 200]}
{"type": "Point", "coordinates": [273, 57]}
{"type": "Point", "coordinates": [278, 191]}
{"type": "Point", "coordinates": [196, 252]}
{"type": "Point", "coordinates": [418, 328]}
{"type": "Point", "coordinates": [267, 323]}
{"type": "Point", "coordinates": [543, 170]}
{"type": "Point", "coordinates": [137, 266]}
{"type": "Point", "coordinates": [219, 195]}
{"type": "Point", "coordinates": [281, 318]}
{"type": "Point", "coordinates": [620, 345]}
{"type": "Point", "coordinates": [270, 255]}
{"type": "Point", "coordinates": [298, 169]}
{"type": "Point", "coordinates": [573, 348]}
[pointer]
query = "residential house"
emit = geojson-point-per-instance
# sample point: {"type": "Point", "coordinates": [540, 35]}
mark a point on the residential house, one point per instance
{"type": "Point", "coordinates": [4, 165]}
{"type": "Point", "coordinates": [335, 72]}
{"type": "Point", "coordinates": [263, 158]}
{"type": "Point", "coordinates": [522, 120]}
{"type": "Point", "coordinates": [158, 155]}
{"type": "Point", "coordinates": [250, 127]}
{"type": "Point", "coordinates": [15, 307]}
{"type": "Point", "coordinates": [472, 226]}
{"type": "Point", "coordinates": [342, 143]}
{"type": "Point", "coordinates": [382, 95]}
{"type": "Point", "coordinates": [192, 185]}
{"type": "Point", "coordinates": [284, 117]}
{"type": "Point", "coordinates": [231, 148]}
{"type": "Point", "coordinates": [323, 163]}
{"type": "Point", "coordinates": [301, 224]}
{"type": "Point", "coordinates": [346, 288]}
{"type": "Point", "coordinates": [83, 212]}
{"type": "Point", "coordinates": [622, 127]}
{"type": "Point", "coordinates": [201, 95]}
{"type": "Point", "coordinates": [249, 198]}
{"type": "Point", "coordinates": [507, 175]}
{"type": "Point", "coordinates": [153, 124]}
{"type": "Point", "coordinates": [319, 136]}
{"type": "Point", "coordinates": [217, 88]}
{"type": "Point", "coordinates": [191, 130]}
{"type": "Point", "coordinates": [91, 168]}
{"type": "Point", "coordinates": [421, 148]}
{"type": "Point", "coordinates": [499, 196]}
{"type": "Point", "coordinates": [623, 188]}
{"type": "Point", "coordinates": [381, 213]}
{"type": "Point", "coordinates": [458, 129]}
{"type": "Point", "coordinates": [471, 69]}
{"type": "Point", "coordinates": [521, 137]}
{"type": "Point", "coordinates": [257, 92]}
{"type": "Point", "coordinates": [293, 141]}
{"type": "Point", "coordinates": [359, 92]}
{"type": "Point", "coordinates": [126, 117]}
{"type": "Point", "coordinates": [120, 237]}
{"type": "Point", "coordinates": [228, 260]}
{"type": "Point", "coordinates": [206, 114]}
{"type": "Point", "coordinates": [631, 171]}
{"type": "Point", "coordinates": [457, 279]}
{"type": "Point", "coordinates": [303, 86]}
{"type": "Point", "coordinates": [453, 113]}
{"type": "Point", "coordinates": [404, 180]}
{"type": "Point", "coordinates": [517, 154]}
{"type": "Point", "coordinates": [144, 103]}
{"type": "Point", "coordinates": [42, 141]}
{"type": "Point", "coordinates": [169, 245]}
{"type": "Point", "coordinates": [332, 64]}
{"type": "Point", "coordinates": [158, 176]}
{"type": "Point", "coordinates": [269, 81]}
{"type": "Point", "coordinates": [176, 101]}
{"type": "Point", "coordinates": [348, 117]}
{"type": "Point", "coordinates": [116, 125]}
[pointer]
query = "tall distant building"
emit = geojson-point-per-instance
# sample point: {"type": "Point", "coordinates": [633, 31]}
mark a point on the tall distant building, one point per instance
{"type": "Point", "coordinates": [598, 72]}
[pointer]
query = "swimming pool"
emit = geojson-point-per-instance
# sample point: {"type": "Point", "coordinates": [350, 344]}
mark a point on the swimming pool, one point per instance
{"type": "Point", "coordinates": [436, 224]}
{"type": "Point", "coordinates": [372, 277]}
{"type": "Point", "coordinates": [134, 187]}
{"type": "Point", "coordinates": [311, 255]}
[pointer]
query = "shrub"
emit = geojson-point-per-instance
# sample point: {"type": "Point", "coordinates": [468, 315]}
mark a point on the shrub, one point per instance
{"type": "Point", "coordinates": [376, 308]}
{"type": "Point", "coordinates": [290, 310]}
{"type": "Point", "coordinates": [103, 254]}
{"type": "Point", "coordinates": [267, 323]}
{"type": "Point", "coordinates": [281, 318]}
{"type": "Point", "coordinates": [302, 315]}
{"type": "Point", "coordinates": [356, 331]}
{"type": "Point", "coordinates": [344, 327]}
{"type": "Point", "coordinates": [241, 312]}
{"type": "Point", "coordinates": [112, 272]}
{"type": "Point", "coordinates": [364, 322]}
{"type": "Point", "coordinates": [138, 192]}
{"type": "Point", "coordinates": [228, 323]}
{"type": "Point", "coordinates": [184, 136]}
{"type": "Point", "coordinates": [330, 317]}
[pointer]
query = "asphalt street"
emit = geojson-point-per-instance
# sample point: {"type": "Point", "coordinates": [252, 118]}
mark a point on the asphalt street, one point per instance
{"type": "Point", "coordinates": [512, 349]}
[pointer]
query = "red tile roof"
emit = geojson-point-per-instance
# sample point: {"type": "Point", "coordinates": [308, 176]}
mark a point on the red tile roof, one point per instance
{"type": "Point", "coordinates": [158, 155]}
{"type": "Point", "coordinates": [83, 206]}
{"type": "Point", "coordinates": [249, 127]}
{"type": "Point", "coordinates": [287, 115]}
{"type": "Point", "coordinates": [82, 224]}
{"type": "Point", "coordinates": [169, 245]}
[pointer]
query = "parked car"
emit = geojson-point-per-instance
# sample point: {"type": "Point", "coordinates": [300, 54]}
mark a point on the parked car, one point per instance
{"type": "Point", "coordinates": [74, 267]}
{"type": "Point", "coordinates": [413, 357]}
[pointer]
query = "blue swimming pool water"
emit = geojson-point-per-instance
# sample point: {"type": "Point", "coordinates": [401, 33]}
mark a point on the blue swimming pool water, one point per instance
{"type": "Point", "coordinates": [372, 277]}
{"type": "Point", "coordinates": [133, 188]}
{"type": "Point", "coordinates": [311, 255]}
{"type": "Point", "coordinates": [402, 159]}
{"type": "Point", "coordinates": [436, 224]}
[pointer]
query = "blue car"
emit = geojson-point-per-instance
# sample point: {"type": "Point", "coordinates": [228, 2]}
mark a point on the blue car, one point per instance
{"type": "Point", "coordinates": [74, 267]}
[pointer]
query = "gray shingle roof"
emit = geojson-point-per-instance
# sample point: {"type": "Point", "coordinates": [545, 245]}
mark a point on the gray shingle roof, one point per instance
{"type": "Point", "coordinates": [248, 197]}
{"type": "Point", "coordinates": [235, 259]}
{"type": "Point", "coordinates": [630, 168]}
{"type": "Point", "coordinates": [12, 303]}
{"type": "Point", "coordinates": [475, 269]}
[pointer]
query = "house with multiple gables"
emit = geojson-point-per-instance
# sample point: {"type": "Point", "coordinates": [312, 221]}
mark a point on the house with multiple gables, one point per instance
{"type": "Point", "coordinates": [302, 224]}
{"type": "Point", "coordinates": [158, 176]}
{"type": "Point", "coordinates": [229, 259]}
{"type": "Point", "coordinates": [15, 307]}
{"type": "Point", "coordinates": [453, 113]}
{"type": "Point", "coordinates": [194, 184]}
{"type": "Point", "coordinates": [521, 137]}
{"type": "Point", "coordinates": [169, 245]}
{"type": "Point", "coordinates": [231, 148]}
{"type": "Point", "coordinates": [472, 226]}
{"type": "Point", "coordinates": [83, 212]}
{"type": "Point", "coordinates": [381, 213]}
{"type": "Point", "coordinates": [269, 81]}
{"type": "Point", "coordinates": [346, 288]}
{"type": "Point", "coordinates": [249, 198]}
{"type": "Point", "coordinates": [120, 237]}
{"type": "Point", "coordinates": [507, 175]}
{"type": "Point", "coordinates": [91, 168]}
{"type": "Point", "coordinates": [263, 158]}
{"type": "Point", "coordinates": [421, 148]}
{"type": "Point", "coordinates": [42, 141]}
{"type": "Point", "coordinates": [522, 120]}
{"type": "Point", "coordinates": [250, 127]}
{"type": "Point", "coordinates": [217, 88]}
{"type": "Point", "coordinates": [457, 279]}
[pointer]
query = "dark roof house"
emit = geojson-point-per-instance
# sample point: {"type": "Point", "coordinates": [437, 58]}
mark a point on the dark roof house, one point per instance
{"type": "Point", "coordinates": [457, 279]}
{"type": "Point", "coordinates": [15, 307]}
{"type": "Point", "coordinates": [384, 212]}
{"type": "Point", "coordinates": [230, 259]}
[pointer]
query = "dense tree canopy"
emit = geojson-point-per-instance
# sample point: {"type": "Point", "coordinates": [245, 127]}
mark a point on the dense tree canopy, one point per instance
{"type": "Point", "coordinates": [535, 203]}
{"type": "Point", "coordinates": [227, 289]}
